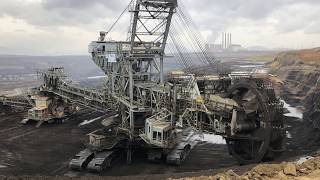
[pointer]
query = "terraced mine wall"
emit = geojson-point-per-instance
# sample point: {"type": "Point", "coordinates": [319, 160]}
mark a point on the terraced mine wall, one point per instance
{"type": "Point", "coordinates": [300, 71]}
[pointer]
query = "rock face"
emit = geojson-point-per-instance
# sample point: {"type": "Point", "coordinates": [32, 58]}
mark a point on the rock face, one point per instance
{"type": "Point", "coordinates": [284, 171]}
{"type": "Point", "coordinates": [301, 76]}
{"type": "Point", "coordinates": [300, 70]}
{"type": "Point", "coordinates": [290, 169]}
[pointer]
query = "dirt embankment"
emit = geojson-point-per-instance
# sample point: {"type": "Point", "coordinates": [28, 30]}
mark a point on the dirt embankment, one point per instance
{"type": "Point", "coordinates": [300, 70]}
{"type": "Point", "coordinates": [309, 169]}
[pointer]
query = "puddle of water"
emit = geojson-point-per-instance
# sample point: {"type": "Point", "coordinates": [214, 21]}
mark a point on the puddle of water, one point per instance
{"type": "Point", "coordinates": [209, 138]}
{"type": "Point", "coordinates": [293, 112]}
{"type": "Point", "coordinates": [85, 122]}
{"type": "Point", "coordinates": [96, 77]}
{"type": "Point", "coordinates": [194, 138]}
{"type": "Point", "coordinates": [2, 166]}
{"type": "Point", "coordinates": [288, 134]}
{"type": "Point", "coordinates": [213, 139]}
{"type": "Point", "coordinates": [303, 159]}
{"type": "Point", "coordinates": [250, 66]}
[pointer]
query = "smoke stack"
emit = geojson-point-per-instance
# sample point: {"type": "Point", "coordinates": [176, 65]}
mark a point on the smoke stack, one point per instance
{"type": "Point", "coordinates": [222, 43]}
{"type": "Point", "coordinates": [225, 40]}
{"type": "Point", "coordinates": [228, 40]}
{"type": "Point", "coordinates": [228, 37]}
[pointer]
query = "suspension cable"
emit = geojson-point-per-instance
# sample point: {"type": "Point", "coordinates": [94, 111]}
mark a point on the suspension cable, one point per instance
{"type": "Point", "coordinates": [122, 13]}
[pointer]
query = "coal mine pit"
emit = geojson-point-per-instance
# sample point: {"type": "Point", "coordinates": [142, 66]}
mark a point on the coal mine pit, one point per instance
{"type": "Point", "coordinates": [27, 150]}
{"type": "Point", "coordinates": [47, 151]}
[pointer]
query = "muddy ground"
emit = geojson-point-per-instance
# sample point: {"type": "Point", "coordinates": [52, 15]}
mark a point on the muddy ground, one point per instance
{"type": "Point", "coordinates": [27, 150]}
{"type": "Point", "coordinates": [46, 151]}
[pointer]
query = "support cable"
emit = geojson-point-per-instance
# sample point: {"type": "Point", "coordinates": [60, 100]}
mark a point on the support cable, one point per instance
{"type": "Point", "coordinates": [122, 13]}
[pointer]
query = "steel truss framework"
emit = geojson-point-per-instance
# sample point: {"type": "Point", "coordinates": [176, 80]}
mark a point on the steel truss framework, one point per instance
{"type": "Point", "coordinates": [136, 78]}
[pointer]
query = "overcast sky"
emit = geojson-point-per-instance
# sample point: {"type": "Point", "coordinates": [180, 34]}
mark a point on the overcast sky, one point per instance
{"type": "Point", "coordinates": [65, 27]}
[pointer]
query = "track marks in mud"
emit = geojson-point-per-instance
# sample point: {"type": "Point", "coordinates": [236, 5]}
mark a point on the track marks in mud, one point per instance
{"type": "Point", "coordinates": [8, 129]}
{"type": "Point", "coordinates": [22, 135]}
{"type": "Point", "coordinates": [16, 132]}
{"type": "Point", "coordinates": [8, 117]}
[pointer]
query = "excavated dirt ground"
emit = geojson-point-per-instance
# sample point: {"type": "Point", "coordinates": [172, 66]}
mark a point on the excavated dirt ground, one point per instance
{"type": "Point", "coordinates": [27, 150]}
{"type": "Point", "coordinates": [304, 170]}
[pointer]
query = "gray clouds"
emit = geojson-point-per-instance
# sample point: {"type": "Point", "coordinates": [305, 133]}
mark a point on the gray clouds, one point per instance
{"type": "Point", "coordinates": [291, 15]}
{"type": "Point", "coordinates": [61, 12]}
{"type": "Point", "coordinates": [83, 4]}
{"type": "Point", "coordinates": [265, 22]}
{"type": "Point", "coordinates": [208, 14]}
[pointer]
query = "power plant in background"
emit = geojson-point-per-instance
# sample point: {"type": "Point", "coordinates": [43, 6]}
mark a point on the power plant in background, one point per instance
{"type": "Point", "coordinates": [226, 40]}
{"type": "Point", "coordinates": [226, 44]}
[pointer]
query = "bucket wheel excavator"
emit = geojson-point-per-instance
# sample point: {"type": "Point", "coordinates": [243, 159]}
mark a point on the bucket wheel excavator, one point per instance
{"type": "Point", "coordinates": [156, 112]}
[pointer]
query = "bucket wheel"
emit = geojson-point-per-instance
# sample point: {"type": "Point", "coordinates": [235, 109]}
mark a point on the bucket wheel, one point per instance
{"type": "Point", "coordinates": [251, 127]}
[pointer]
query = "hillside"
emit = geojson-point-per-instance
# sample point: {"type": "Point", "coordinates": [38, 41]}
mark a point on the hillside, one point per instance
{"type": "Point", "coordinates": [77, 66]}
{"type": "Point", "coordinates": [300, 70]}
{"type": "Point", "coordinates": [303, 169]}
